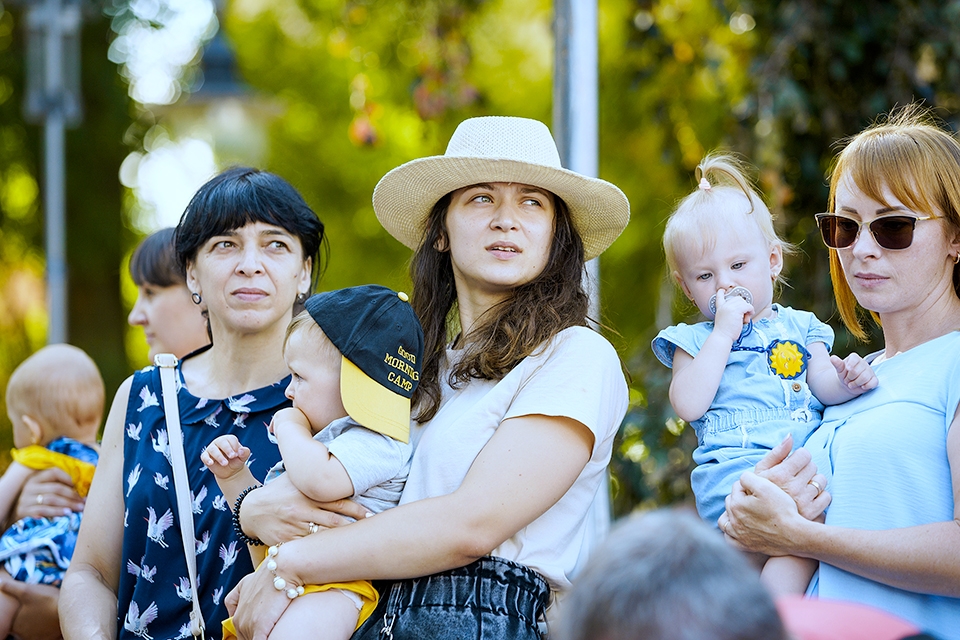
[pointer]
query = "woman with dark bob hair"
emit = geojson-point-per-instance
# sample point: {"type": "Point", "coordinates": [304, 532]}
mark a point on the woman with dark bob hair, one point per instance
{"type": "Point", "coordinates": [248, 246]}
{"type": "Point", "coordinates": [171, 322]}
{"type": "Point", "coordinates": [516, 410]}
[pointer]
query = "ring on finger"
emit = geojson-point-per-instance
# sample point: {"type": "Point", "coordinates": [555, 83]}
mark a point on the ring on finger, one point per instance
{"type": "Point", "coordinates": [313, 527]}
{"type": "Point", "coordinates": [817, 486]}
{"type": "Point", "coordinates": [39, 498]}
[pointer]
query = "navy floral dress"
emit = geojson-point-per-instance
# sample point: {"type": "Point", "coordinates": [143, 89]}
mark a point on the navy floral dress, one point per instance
{"type": "Point", "coordinates": [154, 599]}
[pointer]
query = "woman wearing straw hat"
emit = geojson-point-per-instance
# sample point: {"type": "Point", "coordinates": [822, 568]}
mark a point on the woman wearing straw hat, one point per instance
{"type": "Point", "coordinates": [516, 410]}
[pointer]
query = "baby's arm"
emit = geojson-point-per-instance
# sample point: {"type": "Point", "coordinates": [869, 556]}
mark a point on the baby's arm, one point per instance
{"type": "Point", "coordinates": [311, 467]}
{"type": "Point", "coordinates": [11, 483]}
{"type": "Point", "coordinates": [834, 380]}
{"type": "Point", "coordinates": [787, 575]}
{"type": "Point", "coordinates": [697, 378]}
{"type": "Point", "coordinates": [227, 459]}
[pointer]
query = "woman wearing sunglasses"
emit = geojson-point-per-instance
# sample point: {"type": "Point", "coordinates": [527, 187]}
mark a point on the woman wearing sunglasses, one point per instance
{"type": "Point", "coordinates": [891, 537]}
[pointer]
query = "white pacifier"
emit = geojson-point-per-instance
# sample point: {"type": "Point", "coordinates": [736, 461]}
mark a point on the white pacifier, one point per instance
{"type": "Point", "coordinates": [736, 291]}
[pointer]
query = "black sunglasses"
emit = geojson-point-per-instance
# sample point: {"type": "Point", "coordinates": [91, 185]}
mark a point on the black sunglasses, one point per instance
{"type": "Point", "coordinates": [890, 232]}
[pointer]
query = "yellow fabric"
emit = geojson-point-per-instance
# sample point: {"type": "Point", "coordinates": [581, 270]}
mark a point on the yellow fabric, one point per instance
{"type": "Point", "coordinates": [362, 588]}
{"type": "Point", "coordinates": [37, 457]}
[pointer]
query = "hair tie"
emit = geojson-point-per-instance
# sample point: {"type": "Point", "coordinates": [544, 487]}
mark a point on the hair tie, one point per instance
{"type": "Point", "coordinates": [704, 184]}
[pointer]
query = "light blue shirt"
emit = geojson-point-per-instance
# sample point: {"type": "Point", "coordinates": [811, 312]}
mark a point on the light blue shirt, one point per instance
{"type": "Point", "coordinates": [755, 408]}
{"type": "Point", "coordinates": [888, 451]}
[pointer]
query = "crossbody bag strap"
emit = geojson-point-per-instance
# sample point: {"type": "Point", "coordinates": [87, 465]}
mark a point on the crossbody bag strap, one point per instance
{"type": "Point", "coordinates": [167, 364]}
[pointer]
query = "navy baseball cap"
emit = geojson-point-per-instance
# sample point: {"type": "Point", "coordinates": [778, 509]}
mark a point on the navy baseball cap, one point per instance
{"type": "Point", "coordinates": [381, 341]}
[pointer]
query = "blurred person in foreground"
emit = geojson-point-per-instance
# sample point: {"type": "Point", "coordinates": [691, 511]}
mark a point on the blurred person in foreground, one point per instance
{"type": "Point", "coordinates": [666, 575]}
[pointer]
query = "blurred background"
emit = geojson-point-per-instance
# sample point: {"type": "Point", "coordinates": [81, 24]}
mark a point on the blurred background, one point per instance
{"type": "Point", "coordinates": [331, 94]}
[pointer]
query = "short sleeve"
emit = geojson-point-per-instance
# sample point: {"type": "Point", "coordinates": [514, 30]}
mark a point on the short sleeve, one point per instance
{"type": "Point", "coordinates": [370, 458]}
{"type": "Point", "coordinates": [819, 332]}
{"type": "Point", "coordinates": [689, 337]}
{"type": "Point", "coordinates": [577, 376]}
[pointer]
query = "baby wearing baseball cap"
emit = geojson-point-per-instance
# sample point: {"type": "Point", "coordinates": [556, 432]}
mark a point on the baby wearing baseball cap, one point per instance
{"type": "Point", "coordinates": [355, 357]}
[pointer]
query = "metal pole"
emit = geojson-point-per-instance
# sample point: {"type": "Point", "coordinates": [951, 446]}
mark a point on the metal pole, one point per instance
{"type": "Point", "coordinates": [575, 100]}
{"type": "Point", "coordinates": [54, 173]}
{"type": "Point", "coordinates": [575, 127]}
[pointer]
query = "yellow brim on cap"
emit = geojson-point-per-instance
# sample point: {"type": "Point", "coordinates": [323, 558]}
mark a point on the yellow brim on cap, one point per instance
{"type": "Point", "coordinates": [373, 405]}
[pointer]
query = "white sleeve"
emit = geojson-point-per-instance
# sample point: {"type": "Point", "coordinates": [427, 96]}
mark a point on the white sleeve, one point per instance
{"type": "Point", "coordinates": [578, 376]}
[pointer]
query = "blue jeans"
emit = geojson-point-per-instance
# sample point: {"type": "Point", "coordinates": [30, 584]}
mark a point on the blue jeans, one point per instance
{"type": "Point", "coordinates": [490, 599]}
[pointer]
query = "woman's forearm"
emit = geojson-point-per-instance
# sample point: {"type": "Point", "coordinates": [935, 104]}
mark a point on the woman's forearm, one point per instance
{"type": "Point", "coordinates": [88, 607]}
{"type": "Point", "coordinates": [525, 469]}
{"type": "Point", "coordinates": [358, 550]}
{"type": "Point", "coordinates": [924, 559]}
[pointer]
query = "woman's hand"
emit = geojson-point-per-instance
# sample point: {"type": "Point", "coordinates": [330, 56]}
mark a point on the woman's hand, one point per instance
{"type": "Point", "coordinates": [255, 605]}
{"type": "Point", "coordinates": [762, 517]}
{"type": "Point", "coordinates": [796, 474]}
{"type": "Point", "coordinates": [47, 494]}
{"type": "Point", "coordinates": [278, 512]}
{"type": "Point", "coordinates": [37, 618]}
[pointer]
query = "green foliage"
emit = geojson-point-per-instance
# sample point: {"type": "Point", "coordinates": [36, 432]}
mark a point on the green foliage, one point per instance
{"type": "Point", "coordinates": [368, 84]}
{"type": "Point", "coordinates": [94, 230]}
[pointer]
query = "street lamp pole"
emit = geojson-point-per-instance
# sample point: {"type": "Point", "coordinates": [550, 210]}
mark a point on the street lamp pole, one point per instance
{"type": "Point", "coordinates": [575, 127]}
{"type": "Point", "coordinates": [575, 101]}
{"type": "Point", "coordinates": [52, 97]}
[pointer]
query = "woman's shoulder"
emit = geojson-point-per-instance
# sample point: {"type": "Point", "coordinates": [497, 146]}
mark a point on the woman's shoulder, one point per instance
{"type": "Point", "coordinates": [581, 339]}
{"type": "Point", "coordinates": [578, 349]}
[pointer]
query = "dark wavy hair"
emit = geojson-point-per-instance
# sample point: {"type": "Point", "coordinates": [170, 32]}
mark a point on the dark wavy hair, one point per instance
{"type": "Point", "coordinates": [509, 331]}
{"type": "Point", "coordinates": [243, 195]}
{"type": "Point", "coordinates": [154, 261]}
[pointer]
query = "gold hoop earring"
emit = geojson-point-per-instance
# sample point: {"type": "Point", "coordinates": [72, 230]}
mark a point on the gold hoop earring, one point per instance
{"type": "Point", "coordinates": [956, 259]}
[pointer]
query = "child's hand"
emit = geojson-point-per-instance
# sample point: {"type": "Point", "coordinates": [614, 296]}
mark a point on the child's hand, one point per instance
{"type": "Point", "coordinates": [289, 418]}
{"type": "Point", "coordinates": [854, 373]}
{"type": "Point", "coordinates": [225, 457]}
{"type": "Point", "coordinates": [732, 314]}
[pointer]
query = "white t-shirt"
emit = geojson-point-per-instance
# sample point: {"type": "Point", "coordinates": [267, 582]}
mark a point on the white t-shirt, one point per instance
{"type": "Point", "coordinates": [577, 375]}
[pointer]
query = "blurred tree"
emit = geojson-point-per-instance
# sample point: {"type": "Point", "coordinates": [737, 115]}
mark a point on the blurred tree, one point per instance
{"type": "Point", "coordinates": [781, 83]}
{"type": "Point", "coordinates": [365, 85]}
{"type": "Point", "coordinates": [94, 230]}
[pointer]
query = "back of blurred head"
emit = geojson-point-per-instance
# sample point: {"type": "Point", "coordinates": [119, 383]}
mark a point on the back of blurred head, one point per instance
{"type": "Point", "coordinates": [666, 575]}
{"type": "Point", "coordinates": [58, 391]}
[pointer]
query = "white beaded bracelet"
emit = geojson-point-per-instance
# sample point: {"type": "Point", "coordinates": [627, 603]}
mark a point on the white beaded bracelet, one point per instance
{"type": "Point", "coordinates": [279, 583]}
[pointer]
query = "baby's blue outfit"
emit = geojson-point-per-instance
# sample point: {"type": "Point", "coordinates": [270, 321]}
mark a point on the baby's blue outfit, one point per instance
{"type": "Point", "coordinates": [38, 550]}
{"type": "Point", "coordinates": [888, 452]}
{"type": "Point", "coordinates": [755, 406]}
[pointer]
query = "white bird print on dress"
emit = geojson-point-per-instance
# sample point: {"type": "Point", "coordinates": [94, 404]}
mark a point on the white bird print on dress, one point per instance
{"type": "Point", "coordinates": [149, 398]}
{"type": "Point", "coordinates": [212, 418]}
{"type": "Point", "coordinates": [162, 481]}
{"type": "Point", "coordinates": [133, 431]}
{"type": "Point", "coordinates": [240, 421]}
{"type": "Point", "coordinates": [142, 571]}
{"type": "Point", "coordinates": [184, 590]}
{"type": "Point", "coordinates": [198, 500]}
{"type": "Point", "coordinates": [203, 542]}
{"type": "Point", "coordinates": [126, 512]}
{"type": "Point", "coordinates": [202, 403]}
{"type": "Point", "coordinates": [132, 479]}
{"type": "Point", "coordinates": [155, 528]}
{"type": "Point", "coordinates": [239, 405]}
{"type": "Point", "coordinates": [216, 595]}
{"type": "Point", "coordinates": [184, 632]}
{"type": "Point", "coordinates": [220, 503]}
{"type": "Point", "coordinates": [136, 623]}
{"type": "Point", "coordinates": [228, 555]}
{"type": "Point", "coordinates": [162, 445]}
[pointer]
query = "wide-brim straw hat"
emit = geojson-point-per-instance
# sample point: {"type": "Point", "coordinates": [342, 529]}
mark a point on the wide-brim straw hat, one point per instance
{"type": "Point", "coordinates": [499, 149]}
